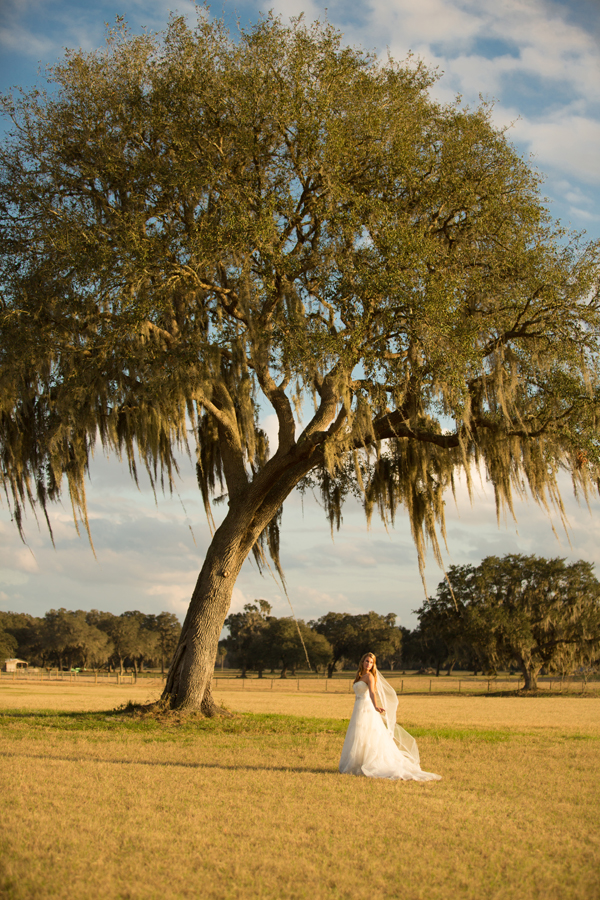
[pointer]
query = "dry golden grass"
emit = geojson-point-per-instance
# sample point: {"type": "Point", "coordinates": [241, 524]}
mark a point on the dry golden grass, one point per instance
{"type": "Point", "coordinates": [74, 697]}
{"type": "Point", "coordinates": [570, 713]}
{"type": "Point", "coordinates": [105, 806]}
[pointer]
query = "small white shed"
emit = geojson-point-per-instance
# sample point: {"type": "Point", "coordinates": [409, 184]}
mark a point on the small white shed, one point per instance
{"type": "Point", "coordinates": [12, 665]}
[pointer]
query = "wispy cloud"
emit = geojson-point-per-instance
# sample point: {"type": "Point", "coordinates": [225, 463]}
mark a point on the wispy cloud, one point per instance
{"type": "Point", "coordinates": [566, 142]}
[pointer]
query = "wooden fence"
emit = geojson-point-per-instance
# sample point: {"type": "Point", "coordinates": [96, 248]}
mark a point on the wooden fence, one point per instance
{"type": "Point", "coordinates": [411, 684]}
{"type": "Point", "coordinates": [88, 677]}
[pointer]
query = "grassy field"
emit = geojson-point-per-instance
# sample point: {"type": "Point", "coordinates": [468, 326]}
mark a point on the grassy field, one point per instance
{"type": "Point", "coordinates": [96, 803]}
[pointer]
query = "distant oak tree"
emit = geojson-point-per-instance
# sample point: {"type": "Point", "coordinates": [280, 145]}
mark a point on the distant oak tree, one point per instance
{"type": "Point", "coordinates": [519, 610]}
{"type": "Point", "coordinates": [197, 229]}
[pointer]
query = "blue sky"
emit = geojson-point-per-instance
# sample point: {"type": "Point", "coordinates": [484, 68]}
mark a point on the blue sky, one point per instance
{"type": "Point", "coordinates": [539, 61]}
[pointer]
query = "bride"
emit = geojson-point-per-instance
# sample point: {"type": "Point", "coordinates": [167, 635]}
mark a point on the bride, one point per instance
{"type": "Point", "coordinates": [375, 745]}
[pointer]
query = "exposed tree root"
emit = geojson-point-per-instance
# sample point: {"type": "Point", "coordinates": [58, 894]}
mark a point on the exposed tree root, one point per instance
{"type": "Point", "coordinates": [160, 711]}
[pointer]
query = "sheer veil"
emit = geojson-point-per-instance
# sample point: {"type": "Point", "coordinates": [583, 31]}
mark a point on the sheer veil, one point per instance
{"type": "Point", "coordinates": [389, 700]}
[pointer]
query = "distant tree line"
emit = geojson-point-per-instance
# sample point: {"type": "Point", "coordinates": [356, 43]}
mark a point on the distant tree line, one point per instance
{"type": "Point", "coordinates": [259, 641]}
{"type": "Point", "coordinates": [523, 613]}
{"type": "Point", "coordinates": [90, 640]}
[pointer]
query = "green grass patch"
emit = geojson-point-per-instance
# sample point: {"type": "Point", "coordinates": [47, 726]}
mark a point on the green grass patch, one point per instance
{"type": "Point", "coordinates": [20, 723]}
{"type": "Point", "coordinates": [481, 735]}
{"type": "Point", "coordinates": [41, 721]}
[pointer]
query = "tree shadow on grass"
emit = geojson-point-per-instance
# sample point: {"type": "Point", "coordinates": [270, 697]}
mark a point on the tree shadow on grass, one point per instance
{"type": "Point", "coordinates": [304, 770]}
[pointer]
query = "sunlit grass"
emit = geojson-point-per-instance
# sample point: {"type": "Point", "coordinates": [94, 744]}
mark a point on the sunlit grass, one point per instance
{"type": "Point", "coordinates": [103, 803]}
{"type": "Point", "coordinates": [559, 713]}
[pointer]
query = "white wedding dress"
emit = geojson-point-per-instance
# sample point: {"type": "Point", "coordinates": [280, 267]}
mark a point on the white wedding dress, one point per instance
{"type": "Point", "coordinates": [378, 748]}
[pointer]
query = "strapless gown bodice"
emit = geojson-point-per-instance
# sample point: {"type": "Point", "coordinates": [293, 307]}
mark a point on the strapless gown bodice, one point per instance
{"type": "Point", "coordinates": [361, 691]}
{"type": "Point", "coordinates": [369, 748]}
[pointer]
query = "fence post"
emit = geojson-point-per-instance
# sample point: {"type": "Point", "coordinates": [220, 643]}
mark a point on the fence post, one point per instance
{"type": "Point", "coordinates": [243, 683]}
{"type": "Point", "coordinates": [430, 685]}
{"type": "Point", "coordinates": [298, 685]}
{"type": "Point", "coordinates": [459, 685]}
{"type": "Point", "coordinates": [402, 686]}
{"type": "Point", "coordinates": [326, 685]}
{"type": "Point", "coordinates": [488, 685]}
{"type": "Point", "coordinates": [271, 684]}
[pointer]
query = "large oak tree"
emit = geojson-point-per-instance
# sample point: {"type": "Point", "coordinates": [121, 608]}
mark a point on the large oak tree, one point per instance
{"type": "Point", "coordinates": [197, 228]}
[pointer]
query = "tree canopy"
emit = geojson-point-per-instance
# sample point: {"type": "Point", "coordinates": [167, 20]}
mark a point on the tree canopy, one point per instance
{"type": "Point", "coordinates": [197, 228]}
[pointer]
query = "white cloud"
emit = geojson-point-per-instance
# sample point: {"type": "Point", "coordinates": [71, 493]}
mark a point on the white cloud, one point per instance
{"type": "Point", "coordinates": [17, 39]}
{"type": "Point", "coordinates": [584, 214]}
{"type": "Point", "coordinates": [415, 25]}
{"type": "Point", "coordinates": [270, 425]}
{"type": "Point", "coordinates": [576, 196]}
{"type": "Point", "coordinates": [174, 596]}
{"type": "Point", "coordinates": [291, 8]}
{"type": "Point", "coordinates": [314, 602]}
{"type": "Point", "coordinates": [566, 142]}
{"type": "Point", "coordinates": [12, 577]}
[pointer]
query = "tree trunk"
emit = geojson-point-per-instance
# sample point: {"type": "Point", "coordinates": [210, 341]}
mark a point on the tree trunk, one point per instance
{"type": "Point", "coordinates": [530, 669]}
{"type": "Point", "coordinates": [530, 675]}
{"type": "Point", "coordinates": [251, 508]}
{"type": "Point", "coordinates": [188, 684]}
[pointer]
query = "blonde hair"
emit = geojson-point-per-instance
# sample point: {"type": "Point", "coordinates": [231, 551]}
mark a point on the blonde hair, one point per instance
{"type": "Point", "coordinates": [360, 671]}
